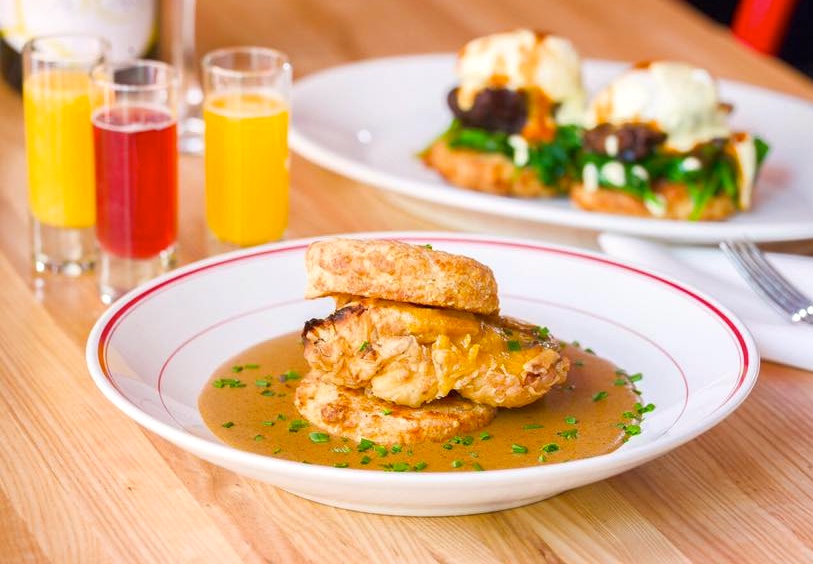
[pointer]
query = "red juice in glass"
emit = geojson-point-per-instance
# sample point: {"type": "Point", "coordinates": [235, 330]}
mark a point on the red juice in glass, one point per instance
{"type": "Point", "coordinates": [136, 180]}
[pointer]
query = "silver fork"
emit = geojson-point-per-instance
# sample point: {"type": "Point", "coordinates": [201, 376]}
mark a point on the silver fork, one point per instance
{"type": "Point", "coordinates": [767, 281]}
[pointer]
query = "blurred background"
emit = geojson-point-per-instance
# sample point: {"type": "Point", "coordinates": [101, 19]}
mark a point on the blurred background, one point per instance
{"type": "Point", "coordinates": [782, 28]}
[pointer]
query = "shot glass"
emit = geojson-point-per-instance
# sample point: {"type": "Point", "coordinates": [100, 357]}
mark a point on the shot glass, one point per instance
{"type": "Point", "coordinates": [135, 141]}
{"type": "Point", "coordinates": [59, 150]}
{"type": "Point", "coordinates": [246, 109]}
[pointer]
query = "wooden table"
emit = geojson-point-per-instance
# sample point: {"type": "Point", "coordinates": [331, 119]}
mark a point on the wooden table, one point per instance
{"type": "Point", "coordinates": [79, 482]}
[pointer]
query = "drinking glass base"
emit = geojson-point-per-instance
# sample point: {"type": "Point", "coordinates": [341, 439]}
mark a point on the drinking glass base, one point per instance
{"type": "Point", "coordinates": [62, 250]}
{"type": "Point", "coordinates": [119, 275]}
{"type": "Point", "coordinates": [217, 246]}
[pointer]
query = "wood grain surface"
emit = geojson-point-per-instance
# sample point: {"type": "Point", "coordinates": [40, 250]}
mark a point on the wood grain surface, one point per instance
{"type": "Point", "coordinates": [80, 482]}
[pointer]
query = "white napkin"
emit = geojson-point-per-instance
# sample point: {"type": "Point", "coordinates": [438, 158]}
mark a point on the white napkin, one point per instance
{"type": "Point", "coordinates": [708, 270]}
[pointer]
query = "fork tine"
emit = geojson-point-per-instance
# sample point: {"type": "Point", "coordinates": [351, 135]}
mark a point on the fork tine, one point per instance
{"type": "Point", "coordinates": [775, 276]}
{"type": "Point", "coordinates": [767, 281]}
{"type": "Point", "coordinates": [749, 271]}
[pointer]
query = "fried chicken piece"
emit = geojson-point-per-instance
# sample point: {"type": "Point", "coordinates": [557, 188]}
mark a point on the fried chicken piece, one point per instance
{"type": "Point", "coordinates": [411, 355]}
{"type": "Point", "coordinates": [355, 414]}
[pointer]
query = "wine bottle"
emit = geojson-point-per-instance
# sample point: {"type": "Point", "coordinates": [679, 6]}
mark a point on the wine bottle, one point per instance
{"type": "Point", "coordinates": [131, 27]}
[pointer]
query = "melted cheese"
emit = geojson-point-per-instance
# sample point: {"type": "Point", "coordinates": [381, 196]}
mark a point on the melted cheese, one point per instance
{"type": "Point", "coordinates": [676, 98]}
{"type": "Point", "coordinates": [526, 60]}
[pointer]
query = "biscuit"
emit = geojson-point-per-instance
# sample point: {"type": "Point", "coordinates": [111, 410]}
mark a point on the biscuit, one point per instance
{"type": "Point", "coordinates": [352, 413]}
{"type": "Point", "coordinates": [392, 270]}
{"type": "Point", "coordinates": [678, 203]}
{"type": "Point", "coordinates": [492, 173]}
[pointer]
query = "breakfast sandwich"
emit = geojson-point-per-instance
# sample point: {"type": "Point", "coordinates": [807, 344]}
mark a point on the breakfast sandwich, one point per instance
{"type": "Point", "coordinates": [417, 335]}
{"type": "Point", "coordinates": [657, 143]}
{"type": "Point", "coordinates": [516, 111]}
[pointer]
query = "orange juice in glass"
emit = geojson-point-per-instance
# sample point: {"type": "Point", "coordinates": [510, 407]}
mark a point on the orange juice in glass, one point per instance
{"type": "Point", "coordinates": [59, 150]}
{"type": "Point", "coordinates": [246, 112]}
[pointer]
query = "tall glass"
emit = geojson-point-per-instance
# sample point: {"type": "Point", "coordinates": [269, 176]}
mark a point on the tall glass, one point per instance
{"type": "Point", "coordinates": [59, 149]}
{"type": "Point", "coordinates": [135, 142]}
{"type": "Point", "coordinates": [246, 111]}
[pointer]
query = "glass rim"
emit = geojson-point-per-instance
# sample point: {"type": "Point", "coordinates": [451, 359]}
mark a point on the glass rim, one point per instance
{"type": "Point", "coordinates": [208, 66]}
{"type": "Point", "coordinates": [30, 51]}
{"type": "Point", "coordinates": [101, 75]}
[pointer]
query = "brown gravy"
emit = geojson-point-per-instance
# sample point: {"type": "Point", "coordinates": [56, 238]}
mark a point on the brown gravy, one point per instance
{"type": "Point", "coordinates": [593, 413]}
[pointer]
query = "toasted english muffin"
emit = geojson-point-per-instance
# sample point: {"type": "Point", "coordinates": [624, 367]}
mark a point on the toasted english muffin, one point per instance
{"type": "Point", "coordinates": [401, 272]}
{"type": "Point", "coordinates": [492, 173]}
{"type": "Point", "coordinates": [354, 414]}
{"type": "Point", "coordinates": [678, 204]}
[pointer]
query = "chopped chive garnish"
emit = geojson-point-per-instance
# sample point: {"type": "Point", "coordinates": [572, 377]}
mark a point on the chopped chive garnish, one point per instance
{"type": "Point", "coordinates": [518, 449]}
{"type": "Point", "coordinates": [541, 458]}
{"type": "Point", "coordinates": [576, 344]}
{"type": "Point", "coordinates": [420, 466]}
{"type": "Point", "coordinates": [268, 423]}
{"type": "Point", "coordinates": [317, 437]}
{"type": "Point", "coordinates": [632, 429]}
{"type": "Point", "coordinates": [637, 377]}
{"type": "Point", "coordinates": [550, 447]}
{"type": "Point", "coordinates": [644, 408]}
{"type": "Point", "coordinates": [629, 415]}
{"type": "Point", "coordinates": [484, 436]}
{"type": "Point", "coordinates": [281, 417]}
{"type": "Point", "coordinates": [532, 426]}
{"type": "Point", "coordinates": [447, 446]}
{"type": "Point", "coordinates": [259, 437]}
{"type": "Point", "coordinates": [569, 434]}
{"type": "Point", "coordinates": [476, 466]}
{"type": "Point", "coordinates": [542, 332]}
{"type": "Point", "coordinates": [228, 383]}
{"type": "Point", "coordinates": [297, 424]}
{"type": "Point", "coordinates": [261, 383]}
{"type": "Point", "coordinates": [620, 382]}
{"type": "Point", "coordinates": [386, 411]}
{"type": "Point", "coordinates": [340, 465]}
{"type": "Point", "coordinates": [571, 420]}
{"type": "Point", "coordinates": [457, 463]}
{"type": "Point", "coordinates": [578, 363]}
{"type": "Point", "coordinates": [364, 346]}
{"type": "Point", "coordinates": [268, 393]}
{"type": "Point", "coordinates": [474, 454]}
{"type": "Point", "coordinates": [427, 246]}
{"type": "Point", "coordinates": [228, 424]}
{"type": "Point", "coordinates": [514, 345]}
{"type": "Point", "coordinates": [400, 467]}
{"type": "Point", "coordinates": [236, 369]}
{"type": "Point", "coordinates": [381, 450]}
{"type": "Point", "coordinates": [395, 449]}
{"type": "Point", "coordinates": [620, 372]}
{"type": "Point", "coordinates": [365, 444]}
{"type": "Point", "coordinates": [289, 375]}
{"type": "Point", "coordinates": [251, 366]}
{"type": "Point", "coordinates": [365, 459]}
{"type": "Point", "coordinates": [598, 396]}
{"type": "Point", "coordinates": [344, 449]}
{"type": "Point", "coordinates": [277, 450]}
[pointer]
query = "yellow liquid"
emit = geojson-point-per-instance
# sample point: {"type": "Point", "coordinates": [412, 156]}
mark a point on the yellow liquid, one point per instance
{"type": "Point", "coordinates": [59, 148]}
{"type": "Point", "coordinates": [246, 167]}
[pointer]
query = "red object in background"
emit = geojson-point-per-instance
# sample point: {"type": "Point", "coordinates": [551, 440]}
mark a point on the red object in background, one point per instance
{"type": "Point", "coordinates": [762, 23]}
{"type": "Point", "coordinates": [136, 181]}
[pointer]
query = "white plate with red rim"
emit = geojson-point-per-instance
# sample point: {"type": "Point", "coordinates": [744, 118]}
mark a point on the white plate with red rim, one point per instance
{"type": "Point", "coordinates": [368, 121]}
{"type": "Point", "coordinates": [153, 350]}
